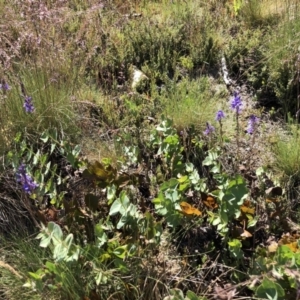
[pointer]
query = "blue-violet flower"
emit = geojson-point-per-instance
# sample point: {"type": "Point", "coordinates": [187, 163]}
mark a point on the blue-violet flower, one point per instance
{"type": "Point", "coordinates": [4, 86]}
{"type": "Point", "coordinates": [220, 115]}
{"type": "Point", "coordinates": [236, 102]}
{"type": "Point", "coordinates": [209, 129]}
{"type": "Point", "coordinates": [253, 121]}
{"type": "Point", "coordinates": [26, 180]}
{"type": "Point", "coordinates": [29, 108]}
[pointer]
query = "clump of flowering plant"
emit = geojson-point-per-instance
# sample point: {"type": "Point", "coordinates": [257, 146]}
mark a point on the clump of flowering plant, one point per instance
{"type": "Point", "coordinates": [26, 180]}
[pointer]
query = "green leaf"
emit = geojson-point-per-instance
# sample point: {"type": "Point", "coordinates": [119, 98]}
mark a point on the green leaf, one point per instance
{"type": "Point", "coordinates": [47, 168]}
{"type": "Point", "coordinates": [270, 290]}
{"type": "Point", "coordinates": [44, 243]}
{"type": "Point", "coordinates": [172, 195]}
{"type": "Point", "coordinates": [111, 193]}
{"type": "Point", "coordinates": [123, 220]}
{"type": "Point", "coordinates": [120, 205]}
{"type": "Point", "coordinates": [71, 159]}
{"type": "Point", "coordinates": [120, 265]}
{"type": "Point", "coordinates": [216, 221]}
{"type": "Point", "coordinates": [183, 179]}
{"type": "Point", "coordinates": [101, 236]}
{"type": "Point", "coordinates": [215, 169]}
{"type": "Point", "coordinates": [191, 295]}
{"type": "Point", "coordinates": [52, 148]}
{"type": "Point", "coordinates": [76, 151]}
{"type": "Point", "coordinates": [51, 267]}
{"type": "Point", "coordinates": [177, 293]}
{"type": "Point", "coordinates": [100, 278]}
{"type": "Point", "coordinates": [38, 275]}
{"type": "Point", "coordinates": [36, 158]}
{"type": "Point", "coordinates": [252, 222]}
{"type": "Point", "coordinates": [60, 252]}
{"type": "Point", "coordinates": [235, 247]}
{"type": "Point", "coordinates": [115, 208]}
{"type": "Point", "coordinates": [55, 231]}
{"type": "Point", "coordinates": [68, 241]}
{"type": "Point", "coordinates": [171, 184]}
{"type": "Point", "coordinates": [120, 251]}
{"type": "Point", "coordinates": [45, 137]}
{"type": "Point", "coordinates": [189, 167]}
{"type": "Point", "coordinates": [183, 187]}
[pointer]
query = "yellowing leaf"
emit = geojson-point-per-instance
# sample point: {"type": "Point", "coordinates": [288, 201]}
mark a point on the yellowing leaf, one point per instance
{"type": "Point", "coordinates": [209, 201]}
{"type": "Point", "coordinates": [287, 238]}
{"type": "Point", "coordinates": [247, 210]}
{"type": "Point", "coordinates": [101, 172]}
{"type": "Point", "coordinates": [293, 246]}
{"type": "Point", "coordinates": [189, 210]}
{"type": "Point", "coordinates": [290, 240]}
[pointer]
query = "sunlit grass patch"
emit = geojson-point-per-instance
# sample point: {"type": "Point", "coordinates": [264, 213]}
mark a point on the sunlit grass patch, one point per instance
{"type": "Point", "coordinates": [50, 105]}
{"type": "Point", "coordinates": [193, 103]}
{"type": "Point", "coordinates": [287, 154]}
{"type": "Point", "coordinates": [18, 257]}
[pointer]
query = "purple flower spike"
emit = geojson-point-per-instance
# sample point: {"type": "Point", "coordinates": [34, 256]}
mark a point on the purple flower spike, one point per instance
{"type": "Point", "coordinates": [220, 115]}
{"type": "Point", "coordinates": [29, 108]}
{"type": "Point", "coordinates": [26, 180]}
{"type": "Point", "coordinates": [253, 121]}
{"type": "Point", "coordinates": [236, 103]}
{"type": "Point", "coordinates": [209, 129]}
{"type": "Point", "coordinates": [4, 86]}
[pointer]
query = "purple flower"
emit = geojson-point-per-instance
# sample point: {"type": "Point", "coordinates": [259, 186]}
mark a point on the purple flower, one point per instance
{"type": "Point", "coordinates": [209, 129]}
{"type": "Point", "coordinates": [220, 115]}
{"type": "Point", "coordinates": [253, 121]}
{"type": "Point", "coordinates": [29, 108]}
{"type": "Point", "coordinates": [236, 103]}
{"type": "Point", "coordinates": [26, 180]}
{"type": "Point", "coordinates": [4, 86]}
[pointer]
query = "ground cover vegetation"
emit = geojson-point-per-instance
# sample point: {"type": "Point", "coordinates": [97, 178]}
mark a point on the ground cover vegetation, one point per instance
{"type": "Point", "coordinates": [149, 149]}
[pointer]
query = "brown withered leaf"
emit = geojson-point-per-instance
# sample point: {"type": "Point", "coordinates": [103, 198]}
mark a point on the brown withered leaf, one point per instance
{"type": "Point", "coordinates": [188, 210]}
{"type": "Point", "coordinates": [239, 232]}
{"type": "Point", "coordinates": [247, 210]}
{"type": "Point", "coordinates": [209, 201]}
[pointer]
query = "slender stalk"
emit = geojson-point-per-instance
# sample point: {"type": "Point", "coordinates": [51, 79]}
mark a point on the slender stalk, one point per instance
{"type": "Point", "coordinates": [237, 140]}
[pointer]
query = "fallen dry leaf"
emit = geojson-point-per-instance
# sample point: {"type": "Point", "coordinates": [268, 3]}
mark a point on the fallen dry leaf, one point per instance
{"type": "Point", "coordinates": [272, 247]}
{"type": "Point", "coordinates": [188, 210]}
